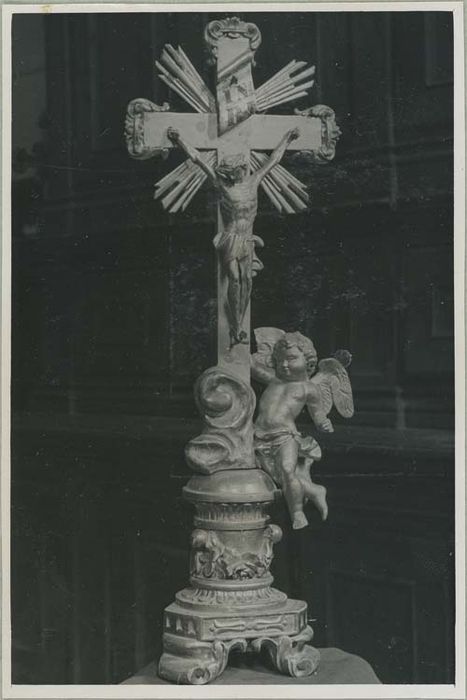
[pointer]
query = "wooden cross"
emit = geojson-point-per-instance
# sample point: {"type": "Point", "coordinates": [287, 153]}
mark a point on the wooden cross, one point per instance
{"type": "Point", "coordinates": [232, 125]}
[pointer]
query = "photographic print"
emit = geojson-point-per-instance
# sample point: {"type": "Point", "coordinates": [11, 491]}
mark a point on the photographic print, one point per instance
{"type": "Point", "coordinates": [232, 251]}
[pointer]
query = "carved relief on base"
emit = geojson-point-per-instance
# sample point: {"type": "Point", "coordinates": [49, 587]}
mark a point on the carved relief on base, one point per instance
{"type": "Point", "coordinates": [231, 516]}
{"type": "Point", "coordinates": [189, 661]}
{"type": "Point", "coordinates": [211, 558]}
{"type": "Point", "coordinates": [291, 655]}
{"type": "Point", "coordinates": [286, 618]}
{"type": "Point", "coordinates": [206, 597]}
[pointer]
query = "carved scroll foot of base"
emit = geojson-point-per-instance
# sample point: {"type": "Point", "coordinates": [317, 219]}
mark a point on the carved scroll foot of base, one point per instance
{"type": "Point", "coordinates": [291, 655]}
{"type": "Point", "coordinates": [189, 661]}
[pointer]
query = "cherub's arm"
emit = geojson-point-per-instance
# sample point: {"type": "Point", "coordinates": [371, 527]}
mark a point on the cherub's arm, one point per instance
{"type": "Point", "coordinates": [276, 155]}
{"type": "Point", "coordinates": [192, 153]}
{"type": "Point", "coordinates": [262, 365]}
{"type": "Point", "coordinates": [259, 371]}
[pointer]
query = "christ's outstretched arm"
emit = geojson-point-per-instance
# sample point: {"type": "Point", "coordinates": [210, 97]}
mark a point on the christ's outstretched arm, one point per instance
{"type": "Point", "coordinates": [276, 155]}
{"type": "Point", "coordinates": [192, 153]}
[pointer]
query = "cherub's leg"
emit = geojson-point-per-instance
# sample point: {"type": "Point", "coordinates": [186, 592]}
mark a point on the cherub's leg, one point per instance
{"type": "Point", "coordinates": [317, 495]}
{"type": "Point", "coordinates": [313, 492]}
{"type": "Point", "coordinates": [293, 490]}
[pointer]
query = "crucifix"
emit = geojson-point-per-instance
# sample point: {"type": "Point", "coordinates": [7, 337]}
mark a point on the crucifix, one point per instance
{"type": "Point", "coordinates": [226, 141]}
{"type": "Point", "coordinates": [233, 143]}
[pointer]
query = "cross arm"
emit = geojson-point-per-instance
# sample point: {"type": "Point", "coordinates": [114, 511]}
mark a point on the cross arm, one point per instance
{"type": "Point", "coordinates": [318, 132]}
{"type": "Point", "coordinates": [147, 124]}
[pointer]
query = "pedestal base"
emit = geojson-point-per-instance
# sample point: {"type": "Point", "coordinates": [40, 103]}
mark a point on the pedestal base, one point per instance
{"type": "Point", "coordinates": [230, 603]}
{"type": "Point", "coordinates": [197, 643]}
{"type": "Point", "coordinates": [193, 662]}
{"type": "Point", "coordinates": [335, 667]}
{"type": "Point", "coordinates": [292, 656]}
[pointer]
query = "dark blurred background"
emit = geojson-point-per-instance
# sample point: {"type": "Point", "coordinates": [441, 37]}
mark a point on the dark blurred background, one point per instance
{"type": "Point", "coordinates": [114, 317]}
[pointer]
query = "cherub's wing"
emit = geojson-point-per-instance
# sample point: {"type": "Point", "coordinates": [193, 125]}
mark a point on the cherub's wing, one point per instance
{"type": "Point", "coordinates": [261, 361]}
{"type": "Point", "coordinates": [334, 387]}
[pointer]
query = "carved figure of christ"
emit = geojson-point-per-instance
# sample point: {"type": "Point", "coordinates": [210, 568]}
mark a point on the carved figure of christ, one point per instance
{"type": "Point", "coordinates": [237, 191]}
{"type": "Point", "coordinates": [237, 204]}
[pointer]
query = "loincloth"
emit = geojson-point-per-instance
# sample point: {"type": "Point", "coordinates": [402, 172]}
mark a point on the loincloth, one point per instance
{"type": "Point", "coordinates": [267, 445]}
{"type": "Point", "coordinates": [234, 246]}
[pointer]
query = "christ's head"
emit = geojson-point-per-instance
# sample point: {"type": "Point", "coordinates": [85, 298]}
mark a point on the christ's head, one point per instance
{"type": "Point", "coordinates": [294, 357]}
{"type": "Point", "coordinates": [232, 169]}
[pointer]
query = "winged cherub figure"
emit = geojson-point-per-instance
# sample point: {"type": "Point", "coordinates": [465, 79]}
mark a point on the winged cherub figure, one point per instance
{"type": "Point", "coordinates": [288, 364]}
{"type": "Point", "coordinates": [237, 190]}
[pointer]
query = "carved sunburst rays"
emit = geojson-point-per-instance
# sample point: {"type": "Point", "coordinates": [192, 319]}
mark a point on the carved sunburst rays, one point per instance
{"type": "Point", "coordinates": [182, 184]}
{"type": "Point", "coordinates": [284, 86]}
{"type": "Point", "coordinates": [178, 188]}
{"type": "Point", "coordinates": [285, 191]}
{"type": "Point", "coordinates": [178, 72]}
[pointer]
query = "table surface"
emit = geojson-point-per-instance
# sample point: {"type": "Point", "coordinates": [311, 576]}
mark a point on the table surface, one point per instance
{"type": "Point", "coordinates": [336, 666]}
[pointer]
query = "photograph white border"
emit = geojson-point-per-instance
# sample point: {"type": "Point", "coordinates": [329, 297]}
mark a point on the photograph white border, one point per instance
{"type": "Point", "coordinates": [444, 692]}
